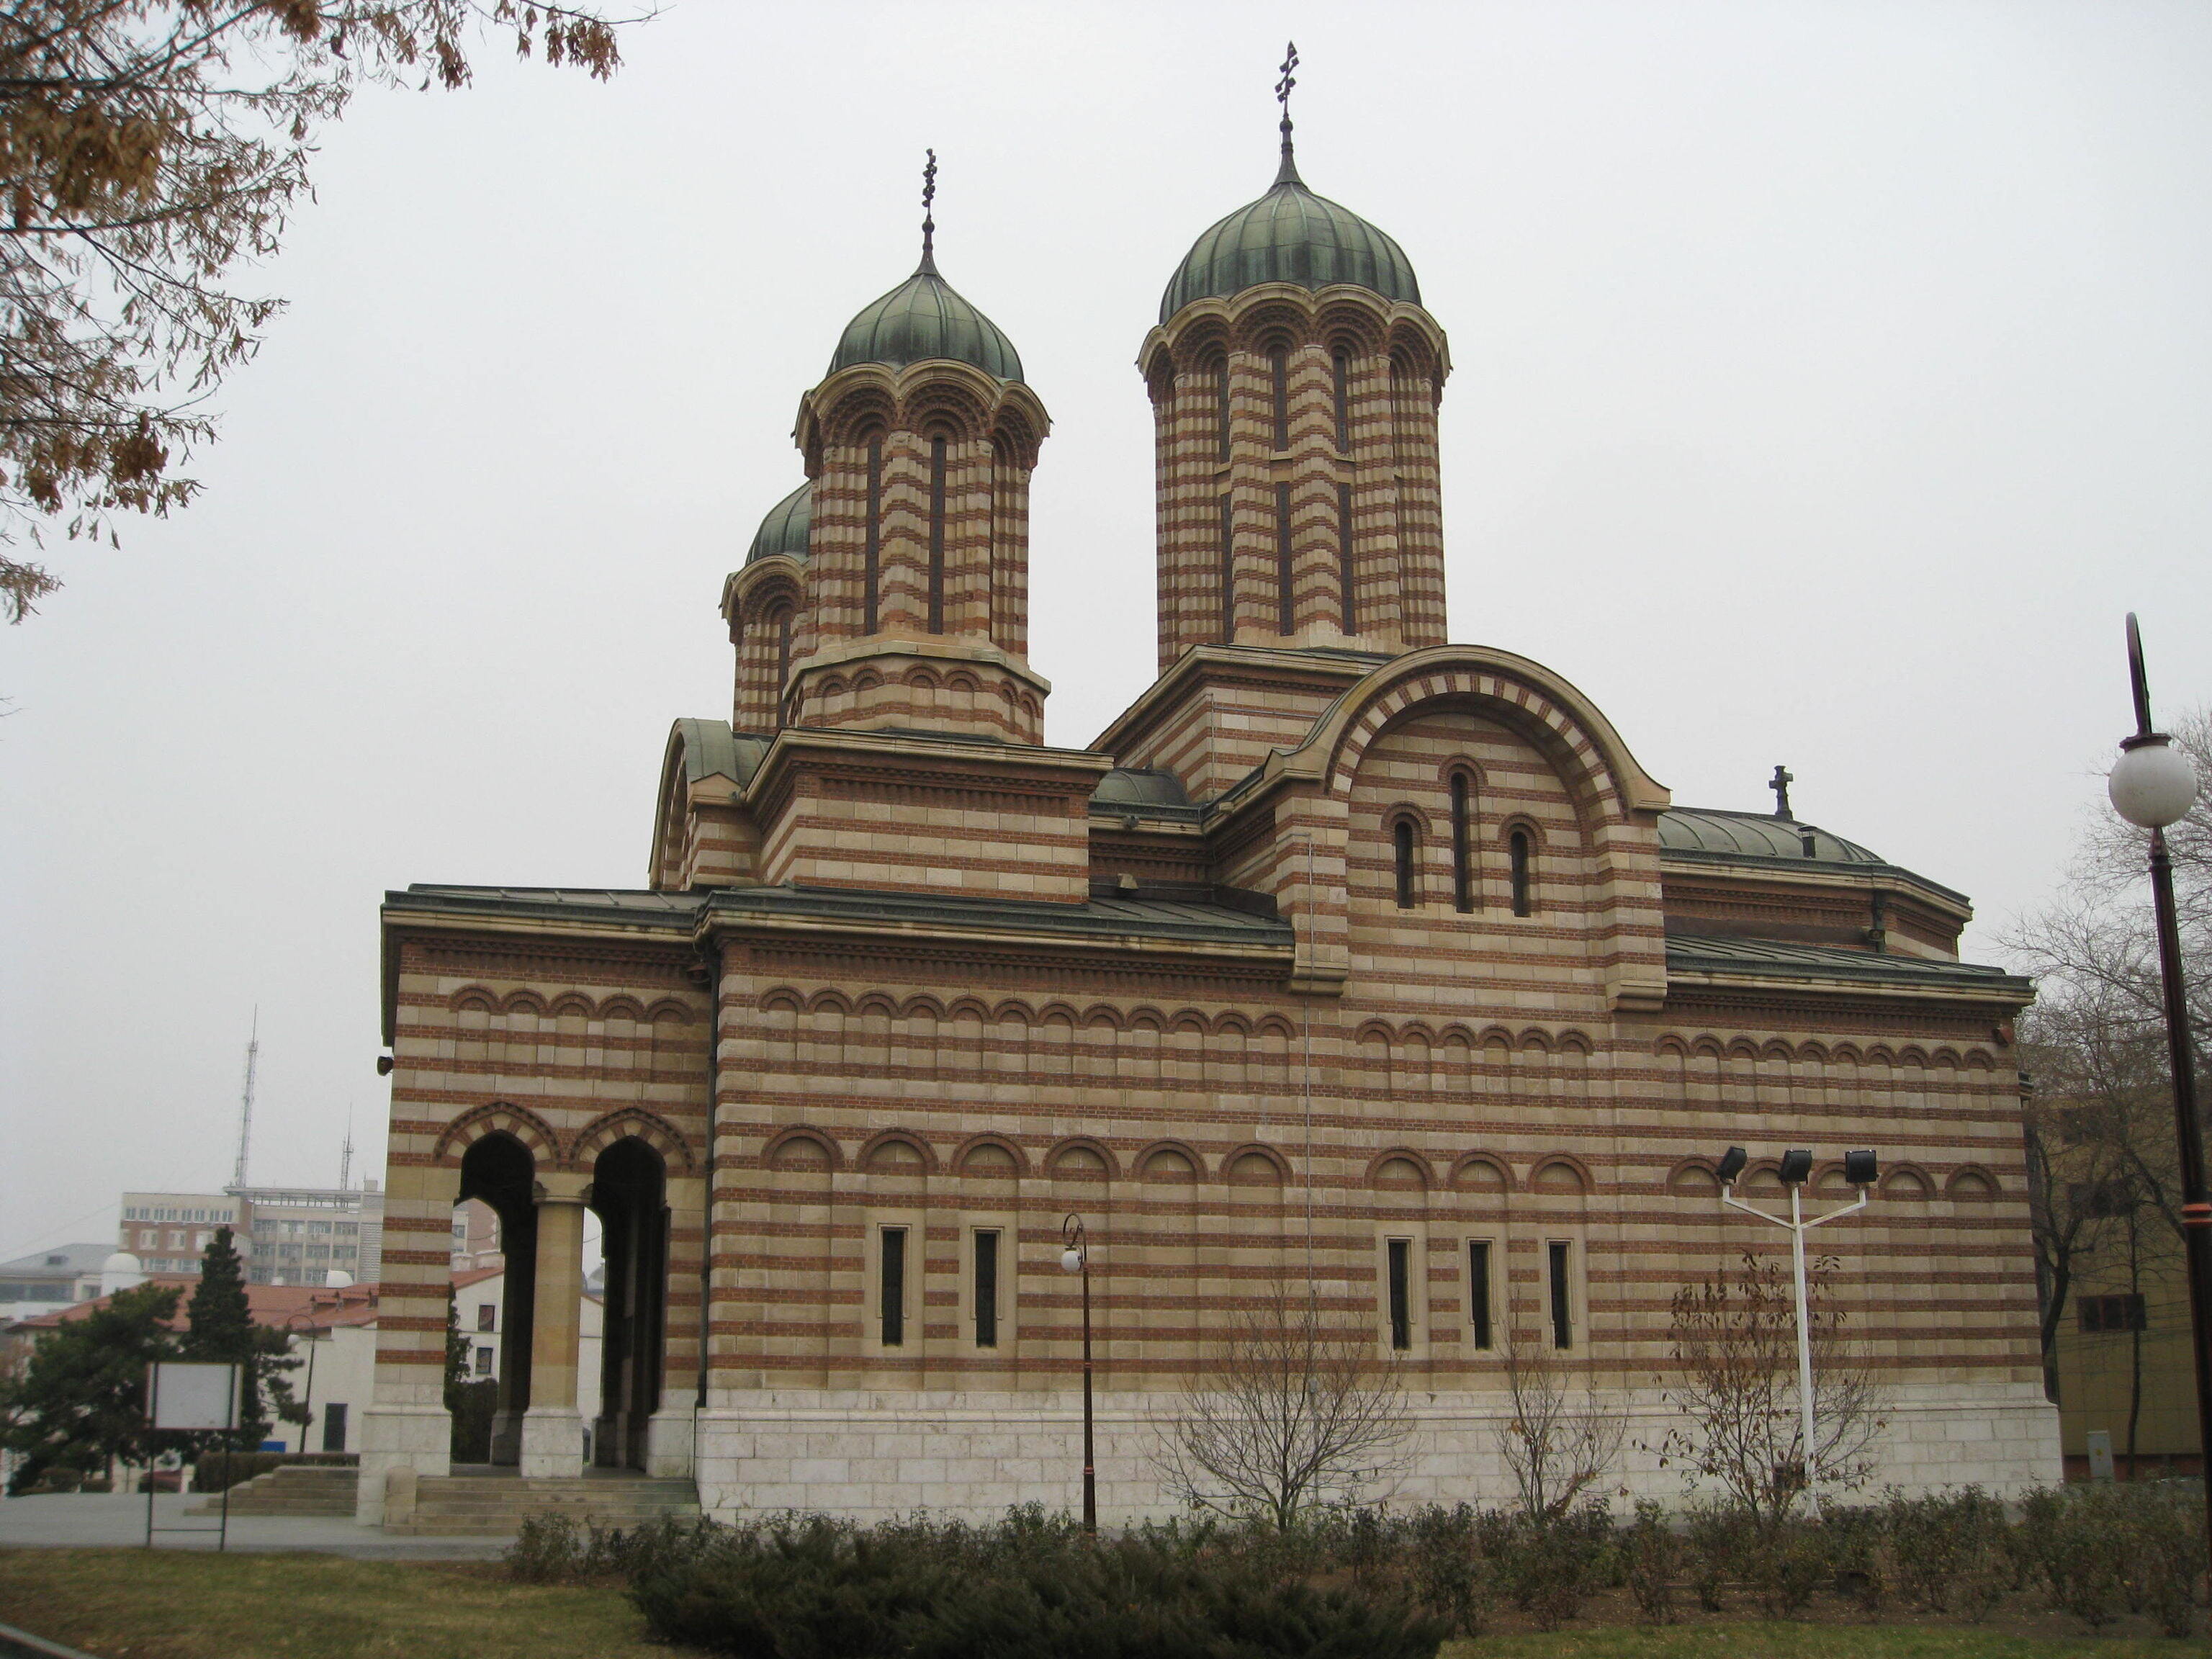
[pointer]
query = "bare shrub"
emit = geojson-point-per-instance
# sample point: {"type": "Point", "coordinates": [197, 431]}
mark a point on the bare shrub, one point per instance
{"type": "Point", "coordinates": [1296, 1413]}
{"type": "Point", "coordinates": [1557, 1446]}
{"type": "Point", "coordinates": [1735, 1340]}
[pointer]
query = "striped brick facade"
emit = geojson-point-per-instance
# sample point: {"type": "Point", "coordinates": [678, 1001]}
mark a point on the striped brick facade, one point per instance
{"type": "Point", "coordinates": [1277, 413]}
{"type": "Point", "coordinates": [1341, 945]}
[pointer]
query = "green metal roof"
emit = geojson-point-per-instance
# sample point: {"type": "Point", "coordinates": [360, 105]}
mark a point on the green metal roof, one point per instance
{"type": "Point", "coordinates": [785, 528]}
{"type": "Point", "coordinates": [1755, 835]}
{"type": "Point", "coordinates": [923, 317]}
{"type": "Point", "coordinates": [1706, 835]}
{"type": "Point", "coordinates": [1132, 919]}
{"type": "Point", "coordinates": [1712, 953]}
{"type": "Point", "coordinates": [1290, 235]}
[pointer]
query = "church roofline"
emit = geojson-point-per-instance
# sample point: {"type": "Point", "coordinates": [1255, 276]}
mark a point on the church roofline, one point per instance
{"type": "Point", "coordinates": [1698, 961]}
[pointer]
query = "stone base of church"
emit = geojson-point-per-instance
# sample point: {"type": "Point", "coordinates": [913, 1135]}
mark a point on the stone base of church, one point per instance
{"type": "Point", "coordinates": [416, 1438]}
{"type": "Point", "coordinates": [552, 1442]}
{"type": "Point", "coordinates": [876, 1455]}
{"type": "Point", "coordinates": [668, 1441]}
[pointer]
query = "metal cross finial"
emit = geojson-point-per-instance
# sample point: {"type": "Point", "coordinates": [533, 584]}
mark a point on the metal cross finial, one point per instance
{"type": "Point", "coordinates": [1779, 783]}
{"type": "Point", "coordinates": [1289, 172]}
{"type": "Point", "coordinates": [928, 221]}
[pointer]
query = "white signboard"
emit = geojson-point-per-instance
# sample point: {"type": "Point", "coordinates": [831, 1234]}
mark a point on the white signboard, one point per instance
{"type": "Point", "coordinates": [180, 1396]}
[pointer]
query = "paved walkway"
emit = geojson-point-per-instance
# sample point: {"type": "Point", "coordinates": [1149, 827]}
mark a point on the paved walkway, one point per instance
{"type": "Point", "coordinates": [80, 1519]}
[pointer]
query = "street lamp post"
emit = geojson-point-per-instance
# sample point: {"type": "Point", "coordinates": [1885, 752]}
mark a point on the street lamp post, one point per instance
{"type": "Point", "coordinates": [1075, 1258]}
{"type": "Point", "coordinates": [307, 1398]}
{"type": "Point", "coordinates": [1859, 1169]}
{"type": "Point", "coordinates": [2152, 785]}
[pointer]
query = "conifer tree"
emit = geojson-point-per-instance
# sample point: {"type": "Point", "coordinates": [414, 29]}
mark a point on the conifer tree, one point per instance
{"type": "Point", "coordinates": [221, 1330]}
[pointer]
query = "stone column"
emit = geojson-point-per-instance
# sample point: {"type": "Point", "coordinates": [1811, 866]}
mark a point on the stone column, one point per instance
{"type": "Point", "coordinates": [553, 1428]}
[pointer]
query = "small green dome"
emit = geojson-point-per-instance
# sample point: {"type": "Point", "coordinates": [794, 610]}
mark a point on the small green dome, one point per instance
{"type": "Point", "coordinates": [923, 317]}
{"type": "Point", "coordinates": [785, 528]}
{"type": "Point", "coordinates": [1290, 235]}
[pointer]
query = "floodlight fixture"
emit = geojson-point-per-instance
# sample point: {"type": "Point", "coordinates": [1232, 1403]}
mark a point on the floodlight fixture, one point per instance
{"type": "Point", "coordinates": [1732, 1162]}
{"type": "Point", "coordinates": [1861, 1169]}
{"type": "Point", "coordinates": [1796, 1167]}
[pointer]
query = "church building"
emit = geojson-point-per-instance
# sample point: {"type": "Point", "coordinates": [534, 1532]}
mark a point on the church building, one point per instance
{"type": "Point", "coordinates": [1347, 963]}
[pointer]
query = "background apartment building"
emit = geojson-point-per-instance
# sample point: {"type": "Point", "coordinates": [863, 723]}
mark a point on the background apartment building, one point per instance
{"type": "Point", "coordinates": [288, 1235]}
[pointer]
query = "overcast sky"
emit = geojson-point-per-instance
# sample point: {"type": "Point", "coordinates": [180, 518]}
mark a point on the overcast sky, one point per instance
{"type": "Point", "coordinates": [1829, 379]}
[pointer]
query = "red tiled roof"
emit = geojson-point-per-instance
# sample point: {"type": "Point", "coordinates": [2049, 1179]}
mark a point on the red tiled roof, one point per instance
{"type": "Point", "coordinates": [299, 1307]}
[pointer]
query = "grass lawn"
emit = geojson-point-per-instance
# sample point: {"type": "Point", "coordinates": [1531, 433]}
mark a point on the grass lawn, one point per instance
{"type": "Point", "coordinates": [171, 1604]}
{"type": "Point", "coordinates": [1773, 1639]}
{"type": "Point", "coordinates": [174, 1604]}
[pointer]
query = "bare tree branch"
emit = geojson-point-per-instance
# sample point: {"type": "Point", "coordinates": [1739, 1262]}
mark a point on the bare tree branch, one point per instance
{"type": "Point", "coordinates": [1297, 1412]}
{"type": "Point", "coordinates": [1735, 1340]}
{"type": "Point", "coordinates": [148, 148]}
{"type": "Point", "coordinates": [1558, 1448]}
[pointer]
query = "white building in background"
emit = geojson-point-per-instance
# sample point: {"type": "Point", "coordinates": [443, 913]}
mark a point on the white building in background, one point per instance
{"type": "Point", "coordinates": [46, 1281]}
{"type": "Point", "coordinates": [288, 1235]}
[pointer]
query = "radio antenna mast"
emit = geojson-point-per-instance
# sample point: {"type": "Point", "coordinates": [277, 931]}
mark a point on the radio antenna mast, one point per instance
{"type": "Point", "coordinates": [345, 1156]}
{"type": "Point", "coordinates": [246, 1101]}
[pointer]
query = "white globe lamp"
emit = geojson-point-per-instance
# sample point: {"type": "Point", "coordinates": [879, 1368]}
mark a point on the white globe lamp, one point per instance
{"type": "Point", "coordinates": [2153, 784]}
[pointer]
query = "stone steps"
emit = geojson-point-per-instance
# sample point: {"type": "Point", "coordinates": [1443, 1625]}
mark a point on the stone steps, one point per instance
{"type": "Point", "coordinates": [460, 1506]}
{"type": "Point", "coordinates": [291, 1489]}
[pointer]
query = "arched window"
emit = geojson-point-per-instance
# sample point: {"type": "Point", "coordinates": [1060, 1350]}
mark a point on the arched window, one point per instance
{"type": "Point", "coordinates": [1286, 621]}
{"type": "Point", "coordinates": [1342, 366]}
{"type": "Point", "coordinates": [1519, 851]}
{"type": "Point", "coordinates": [1278, 368]}
{"type": "Point", "coordinates": [782, 659]}
{"type": "Point", "coordinates": [1221, 406]}
{"type": "Point", "coordinates": [1348, 595]}
{"type": "Point", "coordinates": [937, 535]}
{"type": "Point", "coordinates": [870, 579]}
{"type": "Point", "coordinates": [1463, 812]}
{"type": "Point", "coordinates": [1228, 570]}
{"type": "Point", "coordinates": [1409, 887]}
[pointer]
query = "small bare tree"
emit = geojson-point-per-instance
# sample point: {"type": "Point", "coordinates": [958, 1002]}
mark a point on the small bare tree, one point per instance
{"type": "Point", "coordinates": [1735, 1338]}
{"type": "Point", "coordinates": [1297, 1412]}
{"type": "Point", "coordinates": [1557, 1446]}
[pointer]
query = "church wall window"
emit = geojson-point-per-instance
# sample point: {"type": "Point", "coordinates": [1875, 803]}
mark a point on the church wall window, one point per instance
{"type": "Point", "coordinates": [1559, 1275]}
{"type": "Point", "coordinates": [1399, 1276]}
{"type": "Point", "coordinates": [986, 1289]}
{"type": "Point", "coordinates": [1520, 856]}
{"type": "Point", "coordinates": [1227, 570]}
{"type": "Point", "coordinates": [1279, 371]}
{"type": "Point", "coordinates": [872, 557]}
{"type": "Point", "coordinates": [1286, 595]}
{"type": "Point", "coordinates": [891, 1287]}
{"type": "Point", "coordinates": [1341, 367]}
{"type": "Point", "coordinates": [937, 447]}
{"type": "Point", "coordinates": [1406, 841]}
{"type": "Point", "coordinates": [1462, 813]}
{"type": "Point", "coordinates": [1221, 406]}
{"type": "Point", "coordinates": [1478, 1290]}
{"type": "Point", "coordinates": [1346, 570]}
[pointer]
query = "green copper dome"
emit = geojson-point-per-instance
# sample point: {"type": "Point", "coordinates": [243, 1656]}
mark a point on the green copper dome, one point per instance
{"type": "Point", "coordinates": [925, 318]}
{"type": "Point", "coordinates": [784, 530]}
{"type": "Point", "coordinates": [1290, 235]}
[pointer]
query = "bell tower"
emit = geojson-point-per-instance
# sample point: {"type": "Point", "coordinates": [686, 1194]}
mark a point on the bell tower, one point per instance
{"type": "Point", "coordinates": [1294, 380]}
{"type": "Point", "coordinates": [919, 446]}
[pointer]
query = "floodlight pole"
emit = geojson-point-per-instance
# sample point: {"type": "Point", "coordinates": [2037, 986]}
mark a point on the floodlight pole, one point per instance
{"type": "Point", "coordinates": [1799, 1226]}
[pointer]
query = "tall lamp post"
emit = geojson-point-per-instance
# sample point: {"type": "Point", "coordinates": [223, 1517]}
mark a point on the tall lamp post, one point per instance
{"type": "Point", "coordinates": [1075, 1258]}
{"type": "Point", "coordinates": [2152, 785]}
{"type": "Point", "coordinates": [292, 1329]}
{"type": "Point", "coordinates": [1859, 1169]}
